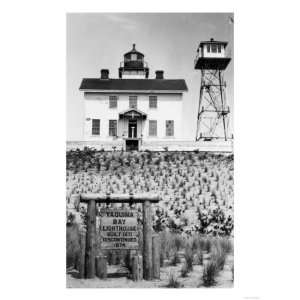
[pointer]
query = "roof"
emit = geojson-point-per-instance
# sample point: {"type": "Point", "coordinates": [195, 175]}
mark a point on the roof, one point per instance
{"type": "Point", "coordinates": [132, 113]}
{"type": "Point", "coordinates": [212, 42]}
{"type": "Point", "coordinates": [133, 50]}
{"type": "Point", "coordinates": [133, 84]}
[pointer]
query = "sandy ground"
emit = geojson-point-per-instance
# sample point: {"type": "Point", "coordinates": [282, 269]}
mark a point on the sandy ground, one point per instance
{"type": "Point", "coordinates": [193, 280]}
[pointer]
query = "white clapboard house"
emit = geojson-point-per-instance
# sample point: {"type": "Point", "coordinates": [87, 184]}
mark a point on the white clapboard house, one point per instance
{"type": "Point", "coordinates": [132, 111]}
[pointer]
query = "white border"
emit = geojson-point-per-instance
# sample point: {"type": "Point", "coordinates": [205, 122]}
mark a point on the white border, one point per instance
{"type": "Point", "coordinates": [33, 143]}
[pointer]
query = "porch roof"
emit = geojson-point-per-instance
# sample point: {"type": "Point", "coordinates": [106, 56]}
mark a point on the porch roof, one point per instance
{"type": "Point", "coordinates": [132, 113]}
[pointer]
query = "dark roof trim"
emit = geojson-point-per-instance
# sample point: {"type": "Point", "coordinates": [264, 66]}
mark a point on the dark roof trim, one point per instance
{"type": "Point", "coordinates": [213, 42]}
{"type": "Point", "coordinates": [133, 52]}
{"type": "Point", "coordinates": [122, 85]}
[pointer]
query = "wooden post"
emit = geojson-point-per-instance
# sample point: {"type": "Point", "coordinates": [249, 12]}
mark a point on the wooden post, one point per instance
{"type": "Point", "coordinates": [140, 266]}
{"type": "Point", "coordinates": [130, 256]}
{"type": "Point", "coordinates": [82, 254]}
{"type": "Point", "coordinates": [137, 267]}
{"type": "Point", "coordinates": [101, 266]}
{"type": "Point", "coordinates": [90, 240]}
{"type": "Point", "coordinates": [156, 256]}
{"type": "Point", "coordinates": [147, 241]}
{"type": "Point", "coordinates": [134, 266]}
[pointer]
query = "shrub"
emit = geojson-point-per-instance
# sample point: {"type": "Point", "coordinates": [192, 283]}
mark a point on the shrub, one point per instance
{"type": "Point", "coordinates": [206, 244]}
{"type": "Point", "coordinates": [199, 258]}
{"type": "Point", "coordinates": [188, 255]}
{"type": "Point", "coordinates": [184, 270]}
{"type": "Point", "coordinates": [210, 272]}
{"type": "Point", "coordinates": [141, 172]}
{"type": "Point", "coordinates": [175, 259]}
{"type": "Point", "coordinates": [219, 257]}
{"type": "Point", "coordinates": [73, 245]}
{"type": "Point", "coordinates": [178, 242]}
{"type": "Point", "coordinates": [161, 259]}
{"type": "Point", "coordinates": [173, 281]}
{"type": "Point", "coordinates": [226, 245]}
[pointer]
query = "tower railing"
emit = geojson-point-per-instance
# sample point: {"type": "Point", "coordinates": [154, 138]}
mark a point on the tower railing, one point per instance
{"type": "Point", "coordinates": [138, 64]}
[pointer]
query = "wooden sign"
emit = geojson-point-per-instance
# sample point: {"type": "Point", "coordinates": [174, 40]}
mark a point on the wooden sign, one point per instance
{"type": "Point", "coordinates": [118, 229]}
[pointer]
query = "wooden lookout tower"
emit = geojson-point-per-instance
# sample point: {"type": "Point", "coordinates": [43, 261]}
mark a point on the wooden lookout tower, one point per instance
{"type": "Point", "coordinates": [212, 117]}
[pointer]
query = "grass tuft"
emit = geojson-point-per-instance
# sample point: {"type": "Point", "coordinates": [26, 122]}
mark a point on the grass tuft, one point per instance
{"type": "Point", "coordinates": [184, 270]}
{"type": "Point", "coordinates": [199, 258]}
{"type": "Point", "coordinates": [210, 272]}
{"type": "Point", "coordinates": [175, 259]}
{"type": "Point", "coordinates": [173, 282]}
{"type": "Point", "coordinates": [188, 255]}
{"type": "Point", "coordinates": [218, 256]}
{"type": "Point", "coordinates": [226, 245]}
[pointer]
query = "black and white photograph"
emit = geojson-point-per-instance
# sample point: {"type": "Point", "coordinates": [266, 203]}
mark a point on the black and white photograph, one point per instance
{"type": "Point", "coordinates": [149, 150]}
{"type": "Point", "coordinates": [149, 160]}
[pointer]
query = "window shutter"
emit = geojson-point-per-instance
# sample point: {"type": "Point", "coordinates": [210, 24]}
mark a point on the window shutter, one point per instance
{"type": "Point", "coordinates": [95, 126]}
{"type": "Point", "coordinates": [153, 101]}
{"type": "Point", "coordinates": [169, 128]}
{"type": "Point", "coordinates": [113, 101]}
{"type": "Point", "coordinates": [152, 128]}
{"type": "Point", "coordinates": [112, 128]}
{"type": "Point", "coordinates": [133, 102]}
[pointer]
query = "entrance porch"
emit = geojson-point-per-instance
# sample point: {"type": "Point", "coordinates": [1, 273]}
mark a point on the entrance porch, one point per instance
{"type": "Point", "coordinates": [133, 121]}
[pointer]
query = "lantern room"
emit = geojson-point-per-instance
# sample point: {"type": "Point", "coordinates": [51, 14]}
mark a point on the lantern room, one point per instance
{"type": "Point", "coordinates": [211, 55]}
{"type": "Point", "coordinates": [133, 66]}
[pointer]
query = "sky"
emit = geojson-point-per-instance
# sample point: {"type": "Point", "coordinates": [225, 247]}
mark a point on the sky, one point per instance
{"type": "Point", "coordinates": [169, 42]}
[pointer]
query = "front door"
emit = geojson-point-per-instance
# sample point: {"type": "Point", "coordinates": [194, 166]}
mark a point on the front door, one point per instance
{"type": "Point", "coordinates": [132, 128]}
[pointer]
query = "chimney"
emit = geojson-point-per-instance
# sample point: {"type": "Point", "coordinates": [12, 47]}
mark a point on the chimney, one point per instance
{"type": "Point", "coordinates": [104, 74]}
{"type": "Point", "coordinates": [159, 74]}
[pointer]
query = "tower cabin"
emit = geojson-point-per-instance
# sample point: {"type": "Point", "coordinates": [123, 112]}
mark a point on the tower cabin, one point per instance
{"type": "Point", "coordinates": [133, 66]}
{"type": "Point", "coordinates": [211, 55]}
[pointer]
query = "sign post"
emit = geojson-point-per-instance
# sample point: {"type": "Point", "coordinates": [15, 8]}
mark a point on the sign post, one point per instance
{"type": "Point", "coordinates": [90, 240]}
{"type": "Point", "coordinates": [118, 228]}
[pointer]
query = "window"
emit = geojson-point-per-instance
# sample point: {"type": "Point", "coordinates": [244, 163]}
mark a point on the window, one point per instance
{"type": "Point", "coordinates": [153, 101]}
{"type": "Point", "coordinates": [219, 48]}
{"type": "Point", "coordinates": [169, 128]}
{"type": "Point", "coordinates": [95, 127]}
{"type": "Point", "coordinates": [208, 48]}
{"type": "Point", "coordinates": [133, 57]}
{"type": "Point", "coordinates": [152, 128]}
{"type": "Point", "coordinates": [113, 101]}
{"type": "Point", "coordinates": [214, 48]}
{"type": "Point", "coordinates": [112, 128]}
{"type": "Point", "coordinates": [132, 101]}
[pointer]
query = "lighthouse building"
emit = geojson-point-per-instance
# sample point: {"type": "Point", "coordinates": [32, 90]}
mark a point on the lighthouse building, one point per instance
{"type": "Point", "coordinates": [133, 112]}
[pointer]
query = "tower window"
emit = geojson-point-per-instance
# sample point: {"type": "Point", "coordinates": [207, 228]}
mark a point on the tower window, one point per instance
{"type": "Point", "coordinates": [112, 128]}
{"type": "Point", "coordinates": [153, 101]}
{"type": "Point", "coordinates": [95, 126]}
{"type": "Point", "coordinates": [152, 128]}
{"type": "Point", "coordinates": [208, 48]}
{"type": "Point", "coordinates": [113, 101]}
{"type": "Point", "coordinates": [133, 102]}
{"type": "Point", "coordinates": [133, 57]}
{"type": "Point", "coordinates": [219, 48]}
{"type": "Point", "coordinates": [170, 128]}
{"type": "Point", "coordinates": [214, 48]}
